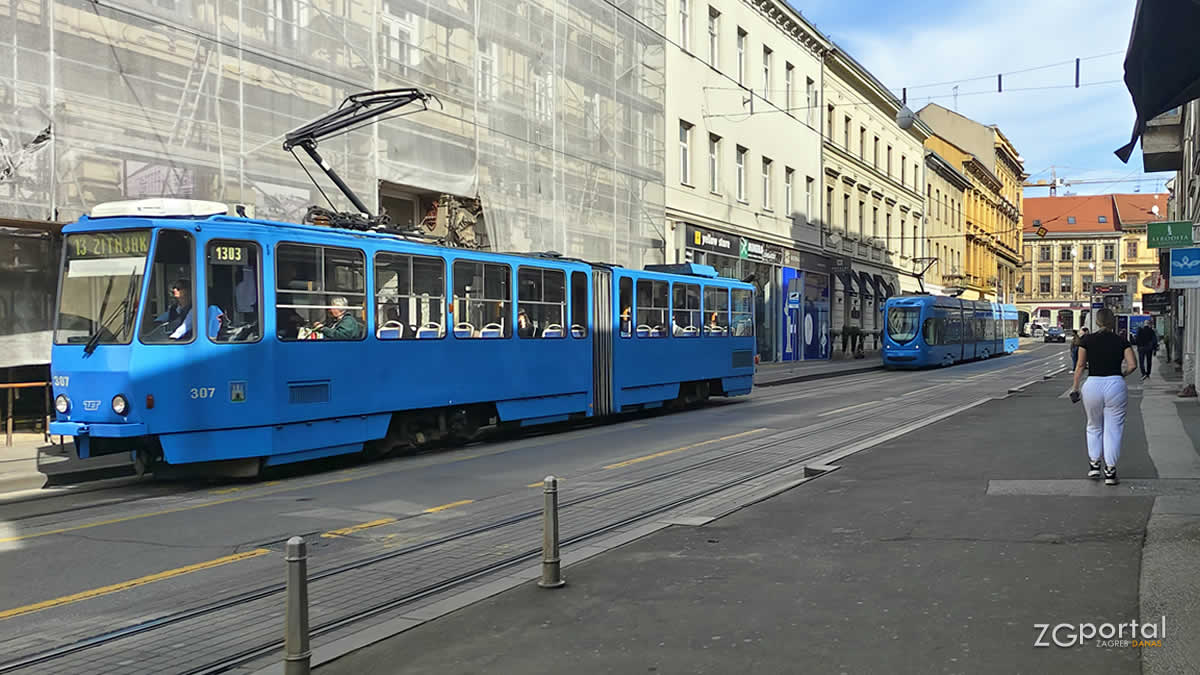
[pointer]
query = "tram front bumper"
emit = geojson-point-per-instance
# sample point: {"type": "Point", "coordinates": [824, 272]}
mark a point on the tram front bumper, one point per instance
{"type": "Point", "coordinates": [129, 430]}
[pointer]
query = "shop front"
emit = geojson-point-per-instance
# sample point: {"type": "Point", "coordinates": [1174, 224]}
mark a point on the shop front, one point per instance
{"type": "Point", "coordinates": [790, 325]}
{"type": "Point", "coordinates": [859, 296]}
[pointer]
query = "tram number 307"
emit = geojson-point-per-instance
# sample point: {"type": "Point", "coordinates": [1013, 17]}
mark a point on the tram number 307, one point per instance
{"type": "Point", "coordinates": [204, 392]}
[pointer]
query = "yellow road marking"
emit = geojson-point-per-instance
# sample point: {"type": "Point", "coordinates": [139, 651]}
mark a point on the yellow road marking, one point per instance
{"type": "Point", "coordinates": [451, 505]}
{"type": "Point", "coordinates": [664, 453]}
{"type": "Point", "coordinates": [341, 532]}
{"type": "Point", "coordinates": [132, 583]}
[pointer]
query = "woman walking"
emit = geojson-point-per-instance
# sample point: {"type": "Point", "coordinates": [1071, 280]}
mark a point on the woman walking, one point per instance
{"type": "Point", "coordinates": [1108, 358]}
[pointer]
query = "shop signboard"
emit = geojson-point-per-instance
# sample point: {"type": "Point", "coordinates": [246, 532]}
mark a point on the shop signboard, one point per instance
{"type": "Point", "coordinates": [1169, 234]}
{"type": "Point", "coordinates": [1185, 268]}
{"type": "Point", "coordinates": [732, 245]}
{"type": "Point", "coordinates": [1156, 303]}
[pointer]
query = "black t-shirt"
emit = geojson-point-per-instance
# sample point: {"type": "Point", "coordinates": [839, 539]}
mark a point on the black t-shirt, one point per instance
{"type": "Point", "coordinates": [1105, 352]}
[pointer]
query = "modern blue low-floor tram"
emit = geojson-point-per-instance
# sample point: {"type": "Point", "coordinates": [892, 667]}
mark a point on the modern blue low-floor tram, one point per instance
{"type": "Point", "coordinates": [189, 336]}
{"type": "Point", "coordinates": [932, 330]}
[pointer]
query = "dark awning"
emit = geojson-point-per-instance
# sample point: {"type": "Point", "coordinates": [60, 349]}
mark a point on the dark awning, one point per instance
{"type": "Point", "coordinates": [1162, 62]}
{"type": "Point", "coordinates": [867, 284]}
{"type": "Point", "coordinates": [885, 289]}
{"type": "Point", "coordinates": [846, 276]}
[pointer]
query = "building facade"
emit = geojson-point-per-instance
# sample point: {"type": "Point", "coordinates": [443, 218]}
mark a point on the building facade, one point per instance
{"type": "Point", "coordinates": [1081, 248]}
{"type": "Point", "coordinates": [945, 187]}
{"type": "Point", "coordinates": [873, 192]}
{"type": "Point", "coordinates": [1139, 263]}
{"type": "Point", "coordinates": [740, 76]}
{"type": "Point", "coordinates": [991, 207]}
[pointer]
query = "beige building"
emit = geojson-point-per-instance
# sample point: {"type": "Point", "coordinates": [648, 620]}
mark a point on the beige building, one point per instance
{"type": "Point", "coordinates": [945, 186]}
{"type": "Point", "coordinates": [1139, 263]}
{"type": "Point", "coordinates": [741, 76]}
{"type": "Point", "coordinates": [991, 207]}
{"type": "Point", "coordinates": [873, 187]}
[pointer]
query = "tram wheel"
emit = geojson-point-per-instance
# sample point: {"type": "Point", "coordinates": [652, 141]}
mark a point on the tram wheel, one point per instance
{"type": "Point", "coordinates": [141, 462]}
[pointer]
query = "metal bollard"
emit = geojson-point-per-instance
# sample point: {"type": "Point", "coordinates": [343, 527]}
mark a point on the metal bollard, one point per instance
{"type": "Point", "coordinates": [296, 654]}
{"type": "Point", "coordinates": [551, 572]}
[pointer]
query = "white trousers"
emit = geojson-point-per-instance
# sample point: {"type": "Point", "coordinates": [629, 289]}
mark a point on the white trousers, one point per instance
{"type": "Point", "coordinates": [1104, 400]}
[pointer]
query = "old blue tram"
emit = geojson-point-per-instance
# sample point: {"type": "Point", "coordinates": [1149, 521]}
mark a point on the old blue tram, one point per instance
{"type": "Point", "coordinates": [932, 330]}
{"type": "Point", "coordinates": [186, 335]}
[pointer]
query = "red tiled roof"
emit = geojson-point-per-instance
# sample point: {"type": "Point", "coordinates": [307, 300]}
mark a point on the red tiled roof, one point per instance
{"type": "Point", "coordinates": [1136, 209]}
{"type": "Point", "coordinates": [1053, 213]}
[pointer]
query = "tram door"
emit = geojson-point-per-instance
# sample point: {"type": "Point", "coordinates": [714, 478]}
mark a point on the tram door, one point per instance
{"type": "Point", "coordinates": [602, 340]}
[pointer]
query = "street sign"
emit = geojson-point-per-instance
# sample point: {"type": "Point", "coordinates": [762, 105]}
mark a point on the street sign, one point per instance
{"type": "Point", "coordinates": [1097, 305]}
{"type": "Point", "coordinates": [1041, 231]}
{"type": "Point", "coordinates": [1185, 268]}
{"type": "Point", "coordinates": [1169, 234]}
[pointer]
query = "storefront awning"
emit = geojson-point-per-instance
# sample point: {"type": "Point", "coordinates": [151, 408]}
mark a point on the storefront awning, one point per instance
{"type": "Point", "coordinates": [847, 281]}
{"type": "Point", "coordinates": [867, 285]}
{"type": "Point", "coordinates": [886, 290]}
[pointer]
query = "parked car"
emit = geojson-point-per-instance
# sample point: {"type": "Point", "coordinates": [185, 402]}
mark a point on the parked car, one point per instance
{"type": "Point", "coordinates": [1056, 334]}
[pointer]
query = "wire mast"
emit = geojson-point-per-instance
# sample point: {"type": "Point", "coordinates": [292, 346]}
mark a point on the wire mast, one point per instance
{"type": "Point", "coordinates": [355, 111]}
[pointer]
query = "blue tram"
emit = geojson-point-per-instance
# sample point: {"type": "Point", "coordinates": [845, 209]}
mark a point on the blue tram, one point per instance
{"type": "Point", "coordinates": [191, 336]}
{"type": "Point", "coordinates": [931, 330]}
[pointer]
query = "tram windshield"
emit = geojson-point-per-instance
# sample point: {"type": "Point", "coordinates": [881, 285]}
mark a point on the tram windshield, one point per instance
{"type": "Point", "coordinates": [101, 280]}
{"type": "Point", "coordinates": [903, 323]}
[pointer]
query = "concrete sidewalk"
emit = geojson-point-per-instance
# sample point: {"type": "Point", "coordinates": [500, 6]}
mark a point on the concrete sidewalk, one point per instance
{"type": "Point", "coordinates": [33, 467]}
{"type": "Point", "coordinates": [940, 551]}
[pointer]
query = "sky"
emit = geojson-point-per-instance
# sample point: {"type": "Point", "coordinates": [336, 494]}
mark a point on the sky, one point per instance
{"type": "Point", "coordinates": [935, 42]}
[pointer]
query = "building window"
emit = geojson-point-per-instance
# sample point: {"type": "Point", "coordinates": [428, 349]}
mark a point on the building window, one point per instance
{"type": "Point", "coordinates": [741, 57]}
{"type": "Point", "coordinates": [828, 207]}
{"type": "Point", "coordinates": [1110, 251]}
{"type": "Point", "coordinates": [1085, 283]}
{"type": "Point", "coordinates": [1070, 220]}
{"type": "Point", "coordinates": [1044, 284]}
{"type": "Point", "coordinates": [487, 79]}
{"type": "Point", "coordinates": [810, 100]}
{"type": "Point", "coordinates": [862, 218]}
{"type": "Point", "coordinates": [741, 173]}
{"type": "Point", "coordinates": [845, 213]}
{"type": "Point", "coordinates": [1064, 284]}
{"type": "Point", "coordinates": [846, 133]}
{"type": "Point", "coordinates": [1131, 249]}
{"type": "Point", "coordinates": [685, 144]}
{"type": "Point", "coordinates": [903, 170]}
{"type": "Point", "coordinates": [1089, 252]}
{"type": "Point", "coordinates": [789, 71]}
{"type": "Point", "coordinates": [766, 73]}
{"type": "Point", "coordinates": [400, 37]}
{"type": "Point", "coordinates": [788, 177]}
{"type": "Point", "coordinates": [902, 227]}
{"type": "Point", "coordinates": [862, 143]}
{"type": "Point", "coordinates": [829, 123]}
{"type": "Point", "coordinates": [889, 161]}
{"type": "Point", "coordinates": [767, 170]}
{"type": "Point", "coordinates": [887, 232]}
{"type": "Point", "coordinates": [809, 184]}
{"type": "Point", "coordinates": [714, 38]}
{"type": "Point", "coordinates": [1044, 253]}
{"type": "Point", "coordinates": [1101, 219]}
{"type": "Point", "coordinates": [1064, 253]}
{"type": "Point", "coordinates": [714, 164]}
{"type": "Point", "coordinates": [937, 204]}
{"type": "Point", "coordinates": [875, 153]}
{"type": "Point", "coordinates": [875, 222]}
{"type": "Point", "coordinates": [685, 25]}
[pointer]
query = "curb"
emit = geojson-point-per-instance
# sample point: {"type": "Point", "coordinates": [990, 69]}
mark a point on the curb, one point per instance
{"type": "Point", "coordinates": [819, 376]}
{"type": "Point", "coordinates": [18, 482]}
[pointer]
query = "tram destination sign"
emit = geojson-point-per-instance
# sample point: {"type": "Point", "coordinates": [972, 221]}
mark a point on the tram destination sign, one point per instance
{"type": "Point", "coordinates": [108, 244]}
{"type": "Point", "coordinates": [1169, 234]}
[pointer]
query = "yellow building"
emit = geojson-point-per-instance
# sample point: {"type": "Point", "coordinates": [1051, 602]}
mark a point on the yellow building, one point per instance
{"type": "Point", "coordinates": [991, 205]}
{"type": "Point", "coordinates": [1138, 261]}
{"type": "Point", "coordinates": [945, 186]}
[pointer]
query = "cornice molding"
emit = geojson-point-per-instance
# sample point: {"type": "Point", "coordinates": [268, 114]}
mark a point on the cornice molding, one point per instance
{"type": "Point", "coordinates": [790, 23]}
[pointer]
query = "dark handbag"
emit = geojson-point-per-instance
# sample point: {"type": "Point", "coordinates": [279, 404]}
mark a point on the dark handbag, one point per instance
{"type": "Point", "coordinates": [1074, 397]}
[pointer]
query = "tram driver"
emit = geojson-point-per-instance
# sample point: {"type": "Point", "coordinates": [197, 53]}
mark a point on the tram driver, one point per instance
{"type": "Point", "coordinates": [344, 325]}
{"type": "Point", "coordinates": [177, 320]}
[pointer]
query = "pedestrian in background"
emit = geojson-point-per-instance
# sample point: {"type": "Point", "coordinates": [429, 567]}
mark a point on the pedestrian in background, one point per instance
{"type": "Point", "coordinates": [1109, 359]}
{"type": "Point", "coordinates": [1147, 344]}
{"type": "Point", "coordinates": [1074, 348]}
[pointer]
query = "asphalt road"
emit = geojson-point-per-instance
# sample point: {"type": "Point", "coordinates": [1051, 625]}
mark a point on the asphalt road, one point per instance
{"type": "Point", "coordinates": [98, 561]}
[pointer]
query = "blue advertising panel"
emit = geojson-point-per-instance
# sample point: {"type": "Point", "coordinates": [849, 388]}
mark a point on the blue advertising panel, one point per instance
{"type": "Point", "coordinates": [1185, 268]}
{"type": "Point", "coordinates": [816, 316]}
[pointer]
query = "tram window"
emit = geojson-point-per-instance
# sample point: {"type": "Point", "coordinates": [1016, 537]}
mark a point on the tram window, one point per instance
{"type": "Point", "coordinates": [542, 299]}
{"type": "Point", "coordinates": [579, 304]}
{"type": "Point", "coordinates": [233, 303]}
{"type": "Point", "coordinates": [653, 303]}
{"type": "Point", "coordinates": [934, 331]}
{"type": "Point", "coordinates": [716, 308]}
{"type": "Point", "coordinates": [321, 293]}
{"type": "Point", "coordinates": [170, 315]}
{"type": "Point", "coordinates": [481, 300]}
{"type": "Point", "coordinates": [626, 304]}
{"type": "Point", "coordinates": [743, 312]}
{"type": "Point", "coordinates": [686, 319]}
{"type": "Point", "coordinates": [410, 294]}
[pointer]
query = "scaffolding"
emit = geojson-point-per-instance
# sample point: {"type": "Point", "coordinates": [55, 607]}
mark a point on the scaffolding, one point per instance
{"type": "Point", "coordinates": [553, 111]}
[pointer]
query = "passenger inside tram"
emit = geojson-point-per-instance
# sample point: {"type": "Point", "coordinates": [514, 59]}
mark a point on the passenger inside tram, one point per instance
{"type": "Point", "coordinates": [343, 326]}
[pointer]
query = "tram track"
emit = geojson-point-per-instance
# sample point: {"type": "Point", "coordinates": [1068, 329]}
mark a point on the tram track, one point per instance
{"type": "Point", "coordinates": [269, 591]}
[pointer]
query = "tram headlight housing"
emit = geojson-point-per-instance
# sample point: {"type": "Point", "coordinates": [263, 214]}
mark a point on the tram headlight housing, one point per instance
{"type": "Point", "coordinates": [62, 404]}
{"type": "Point", "coordinates": [120, 404]}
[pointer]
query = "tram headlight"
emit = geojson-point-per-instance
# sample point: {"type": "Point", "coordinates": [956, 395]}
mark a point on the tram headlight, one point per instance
{"type": "Point", "coordinates": [120, 405]}
{"type": "Point", "coordinates": [62, 404]}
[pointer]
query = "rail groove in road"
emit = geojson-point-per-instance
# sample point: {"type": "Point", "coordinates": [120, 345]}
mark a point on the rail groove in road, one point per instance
{"type": "Point", "coordinates": [258, 611]}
